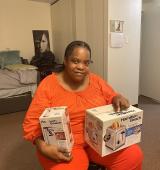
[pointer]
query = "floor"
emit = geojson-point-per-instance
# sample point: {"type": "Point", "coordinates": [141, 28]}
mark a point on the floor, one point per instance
{"type": "Point", "coordinates": [18, 154]}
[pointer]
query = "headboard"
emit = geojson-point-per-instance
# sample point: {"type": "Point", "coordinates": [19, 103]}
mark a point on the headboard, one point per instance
{"type": "Point", "coordinates": [9, 57]}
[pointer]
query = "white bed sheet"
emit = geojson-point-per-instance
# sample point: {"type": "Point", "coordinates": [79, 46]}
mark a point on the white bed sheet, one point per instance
{"type": "Point", "coordinates": [16, 91]}
{"type": "Point", "coordinates": [15, 79]}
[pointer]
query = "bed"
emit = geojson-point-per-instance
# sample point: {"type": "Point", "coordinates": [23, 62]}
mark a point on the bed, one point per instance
{"type": "Point", "coordinates": [18, 82]}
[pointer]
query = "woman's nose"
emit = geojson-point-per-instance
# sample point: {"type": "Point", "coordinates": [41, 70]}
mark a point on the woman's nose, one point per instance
{"type": "Point", "coordinates": [81, 65]}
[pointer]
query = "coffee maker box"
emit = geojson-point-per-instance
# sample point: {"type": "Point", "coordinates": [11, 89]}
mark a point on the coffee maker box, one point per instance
{"type": "Point", "coordinates": [55, 127]}
{"type": "Point", "coordinates": [107, 131]}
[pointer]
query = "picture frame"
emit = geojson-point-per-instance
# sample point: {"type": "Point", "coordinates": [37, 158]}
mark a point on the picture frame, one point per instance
{"type": "Point", "coordinates": [116, 26]}
{"type": "Point", "coordinates": [41, 41]}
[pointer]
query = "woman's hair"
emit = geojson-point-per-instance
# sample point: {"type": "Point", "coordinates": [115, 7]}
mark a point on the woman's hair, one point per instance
{"type": "Point", "coordinates": [75, 44]}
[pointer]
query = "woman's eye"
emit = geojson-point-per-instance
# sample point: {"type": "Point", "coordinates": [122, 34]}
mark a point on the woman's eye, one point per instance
{"type": "Point", "coordinates": [75, 61]}
{"type": "Point", "coordinates": [87, 63]}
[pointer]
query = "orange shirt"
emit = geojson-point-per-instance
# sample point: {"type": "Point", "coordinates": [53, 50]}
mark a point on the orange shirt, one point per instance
{"type": "Point", "coordinates": [50, 93]}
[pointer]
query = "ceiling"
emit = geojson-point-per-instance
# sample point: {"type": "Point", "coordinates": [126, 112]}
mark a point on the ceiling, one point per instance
{"type": "Point", "coordinates": [54, 1]}
{"type": "Point", "coordinates": [147, 0]}
{"type": "Point", "coordinates": [47, 1]}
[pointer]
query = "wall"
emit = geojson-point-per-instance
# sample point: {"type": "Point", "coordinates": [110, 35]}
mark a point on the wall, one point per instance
{"type": "Point", "coordinates": [150, 69]}
{"type": "Point", "coordinates": [62, 26]}
{"type": "Point", "coordinates": [123, 63]}
{"type": "Point", "coordinates": [17, 20]}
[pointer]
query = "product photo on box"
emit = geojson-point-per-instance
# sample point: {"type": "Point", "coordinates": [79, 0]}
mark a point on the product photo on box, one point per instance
{"type": "Point", "coordinates": [107, 131]}
{"type": "Point", "coordinates": [55, 125]}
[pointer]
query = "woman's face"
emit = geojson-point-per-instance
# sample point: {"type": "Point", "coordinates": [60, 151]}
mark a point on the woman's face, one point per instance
{"type": "Point", "coordinates": [77, 65]}
{"type": "Point", "coordinates": [44, 44]}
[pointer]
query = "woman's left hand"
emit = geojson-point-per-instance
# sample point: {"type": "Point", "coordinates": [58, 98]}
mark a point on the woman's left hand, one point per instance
{"type": "Point", "coordinates": [120, 103]}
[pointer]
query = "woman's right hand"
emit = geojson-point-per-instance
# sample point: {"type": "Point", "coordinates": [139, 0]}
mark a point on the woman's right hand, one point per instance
{"type": "Point", "coordinates": [52, 152]}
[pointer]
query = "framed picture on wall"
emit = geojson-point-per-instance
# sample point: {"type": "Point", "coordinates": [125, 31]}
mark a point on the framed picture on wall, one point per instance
{"type": "Point", "coordinates": [116, 26]}
{"type": "Point", "coordinates": [41, 41]}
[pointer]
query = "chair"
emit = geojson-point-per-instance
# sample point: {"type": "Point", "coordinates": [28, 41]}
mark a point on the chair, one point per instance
{"type": "Point", "coordinates": [94, 166]}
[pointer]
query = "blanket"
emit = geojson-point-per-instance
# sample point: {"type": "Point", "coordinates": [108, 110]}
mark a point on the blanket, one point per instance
{"type": "Point", "coordinates": [13, 79]}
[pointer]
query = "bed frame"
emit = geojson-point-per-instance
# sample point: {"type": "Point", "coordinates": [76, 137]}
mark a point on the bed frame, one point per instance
{"type": "Point", "coordinates": [15, 103]}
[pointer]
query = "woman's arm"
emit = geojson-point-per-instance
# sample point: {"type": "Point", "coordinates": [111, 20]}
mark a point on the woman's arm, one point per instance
{"type": "Point", "coordinates": [31, 124]}
{"type": "Point", "coordinates": [120, 102]}
{"type": "Point", "coordinates": [41, 100]}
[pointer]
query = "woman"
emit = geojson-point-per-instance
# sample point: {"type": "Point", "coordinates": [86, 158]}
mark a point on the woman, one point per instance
{"type": "Point", "coordinates": [74, 86]}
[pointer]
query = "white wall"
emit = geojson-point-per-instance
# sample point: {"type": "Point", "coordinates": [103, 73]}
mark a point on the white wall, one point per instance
{"type": "Point", "coordinates": [123, 63]}
{"type": "Point", "coordinates": [17, 20]}
{"type": "Point", "coordinates": [150, 52]}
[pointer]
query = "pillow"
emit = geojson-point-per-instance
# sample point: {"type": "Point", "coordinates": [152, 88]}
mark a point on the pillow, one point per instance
{"type": "Point", "coordinates": [15, 67]}
{"type": "Point", "coordinates": [9, 57]}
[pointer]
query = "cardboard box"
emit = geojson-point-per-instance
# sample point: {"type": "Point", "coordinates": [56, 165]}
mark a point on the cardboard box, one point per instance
{"type": "Point", "coordinates": [107, 131]}
{"type": "Point", "coordinates": [56, 129]}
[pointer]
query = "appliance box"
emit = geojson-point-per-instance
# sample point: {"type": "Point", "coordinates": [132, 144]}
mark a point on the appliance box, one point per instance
{"type": "Point", "coordinates": [107, 131]}
{"type": "Point", "coordinates": [55, 127]}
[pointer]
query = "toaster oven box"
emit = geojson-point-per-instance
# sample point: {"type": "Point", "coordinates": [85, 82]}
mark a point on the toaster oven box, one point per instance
{"type": "Point", "coordinates": [55, 127]}
{"type": "Point", "coordinates": [107, 131]}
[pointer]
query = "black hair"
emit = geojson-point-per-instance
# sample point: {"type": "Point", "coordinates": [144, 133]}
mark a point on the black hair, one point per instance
{"type": "Point", "coordinates": [73, 45]}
